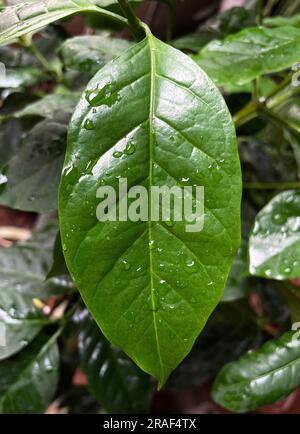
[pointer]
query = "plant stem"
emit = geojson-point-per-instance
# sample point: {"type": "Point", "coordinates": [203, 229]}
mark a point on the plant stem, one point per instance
{"type": "Point", "coordinates": [277, 120]}
{"type": "Point", "coordinates": [271, 185]}
{"type": "Point", "coordinates": [170, 21]}
{"type": "Point", "coordinates": [260, 12]}
{"type": "Point", "coordinates": [134, 23]}
{"type": "Point", "coordinates": [42, 59]}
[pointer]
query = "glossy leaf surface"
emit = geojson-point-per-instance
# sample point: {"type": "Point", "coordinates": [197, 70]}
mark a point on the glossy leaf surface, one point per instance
{"type": "Point", "coordinates": [242, 57]}
{"type": "Point", "coordinates": [260, 377]}
{"type": "Point", "coordinates": [28, 381]}
{"type": "Point", "coordinates": [118, 384]}
{"type": "Point", "coordinates": [274, 246]}
{"type": "Point", "coordinates": [23, 268]}
{"type": "Point", "coordinates": [160, 121]}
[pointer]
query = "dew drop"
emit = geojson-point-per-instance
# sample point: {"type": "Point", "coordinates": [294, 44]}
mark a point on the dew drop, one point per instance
{"type": "Point", "coordinates": [130, 149]}
{"type": "Point", "coordinates": [117, 154]}
{"type": "Point", "coordinates": [89, 124]}
{"type": "Point", "coordinates": [126, 265]}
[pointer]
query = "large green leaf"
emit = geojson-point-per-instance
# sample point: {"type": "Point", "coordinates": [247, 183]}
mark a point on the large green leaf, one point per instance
{"type": "Point", "coordinates": [24, 18]}
{"type": "Point", "coordinates": [274, 245]}
{"type": "Point", "coordinates": [118, 384]}
{"type": "Point", "coordinates": [153, 117]}
{"type": "Point", "coordinates": [89, 53]}
{"type": "Point", "coordinates": [28, 381]}
{"type": "Point", "coordinates": [260, 377]}
{"type": "Point", "coordinates": [242, 57]}
{"type": "Point", "coordinates": [23, 268]}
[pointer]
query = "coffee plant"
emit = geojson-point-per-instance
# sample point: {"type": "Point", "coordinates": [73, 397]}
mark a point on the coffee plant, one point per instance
{"type": "Point", "coordinates": [99, 314]}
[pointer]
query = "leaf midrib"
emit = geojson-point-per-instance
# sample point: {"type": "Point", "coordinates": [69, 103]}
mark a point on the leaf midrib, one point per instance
{"type": "Point", "coordinates": [151, 158]}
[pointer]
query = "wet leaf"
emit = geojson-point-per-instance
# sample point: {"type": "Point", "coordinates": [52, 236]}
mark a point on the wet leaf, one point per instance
{"type": "Point", "coordinates": [260, 377]}
{"type": "Point", "coordinates": [274, 245]}
{"type": "Point", "coordinates": [159, 122]}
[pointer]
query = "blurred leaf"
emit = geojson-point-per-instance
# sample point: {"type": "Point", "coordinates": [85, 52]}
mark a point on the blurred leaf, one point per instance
{"type": "Point", "coordinates": [195, 41]}
{"type": "Point", "coordinates": [118, 384]}
{"type": "Point", "coordinates": [28, 381]}
{"type": "Point", "coordinates": [235, 19]}
{"type": "Point", "coordinates": [227, 335]}
{"type": "Point", "coordinates": [260, 377]}
{"type": "Point", "coordinates": [23, 268]}
{"type": "Point", "coordinates": [238, 284]}
{"type": "Point", "coordinates": [21, 77]}
{"type": "Point", "coordinates": [89, 53]}
{"type": "Point", "coordinates": [49, 105]}
{"type": "Point", "coordinates": [242, 57]}
{"type": "Point", "coordinates": [10, 140]}
{"type": "Point", "coordinates": [283, 21]}
{"type": "Point", "coordinates": [274, 245]}
{"type": "Point", "coordinates": [33, 174]}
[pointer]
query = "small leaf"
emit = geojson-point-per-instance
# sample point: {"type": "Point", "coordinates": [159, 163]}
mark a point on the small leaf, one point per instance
{"type": "Point", "coordinates": [89, 53]}
{"type": "Point", "coordinates": [242, 57]}
{"type": "Point", "coordinates": [283, 21]}
{"type": "Point", "coordinates": [28, 381]}
{"type": "Point", "coordinates": [159, 122]}
{"type": "Point", "coordinates": [118, 384]}
{"type": "Point", "coordinates": [23, 268]}
{"type": "Point", "coordinates": [20, 77]}
{"type": "Point", "coordinates": [260, 377]}
{"type": "Point", "coordinates": [274, 246]}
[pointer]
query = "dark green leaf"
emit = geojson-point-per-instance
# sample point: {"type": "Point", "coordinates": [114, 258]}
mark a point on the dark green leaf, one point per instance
{"type": "Point", "coordinates": [242, 57]}
{"type": "Point", "coordinates": [10, 140]}
{"type": "Point", "coordinates": [23, 268]}
{"type": "Point", "coordinates": [235, 19]}
{"type": "Point", "coordinates": [28, 381]}
{"type": "Point", "coordinates": [274, 245]}
{"type": "Point", "coordinates": [260, 377]}
{"type": "Point", "coordinates": [89, 53]}
{"type": "Point", "coordinates": [118, 384]}
{"type": "Point", "coordinates": [155, 284]}
{"type": "Point", "coordinates": [33, 174]}
{"type": "Point", "coordinates": [195, 41]}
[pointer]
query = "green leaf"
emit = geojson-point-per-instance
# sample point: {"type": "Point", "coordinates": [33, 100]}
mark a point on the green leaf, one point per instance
{"type": "Point", "coordinates": [24, 18]}
{"type": "Point", "coordinates": [242, 57]}
{"type": "Point", "coordinates": [238, 284]}
{"type": "Point", "coordinates": [260, 377]}
{"type": "Point", "coordinates": [274, 246]}
{"type": "Point", "coordinates": [33, 174]}
{"type": "Point", "coordinates": [28, 381]}
{"type": "Point", "coordinates": [283, 21]}
{"type": "Point", "coordinates": [23, 268]}
{"type": "Point", "coordinates": [195, 41]}
{"type": "Point", "coordinates": [229, 332]}
{"type": "Point", "coordinates": [89, 53]}
{"type": "Point", "coordinates": [49, 105]}
{"type": "Point", "coordinates": [155, 284]}
{"type": "Point", "coordinates": [10, 138]}
{"type": "Point", "coordinates": [20, 77]}
{"type": "Point", "coordinates": [118, 384]}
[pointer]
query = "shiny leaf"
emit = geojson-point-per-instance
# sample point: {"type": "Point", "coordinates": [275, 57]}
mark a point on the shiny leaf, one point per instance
{"type": "Point", "coordinates": [158, 122]}
{"type": "Point", "coordinates": [260, 377]}
{"type": "Point", "coordinates": [118, 384]}
{"type": "Point", "coordinates": [274, 245]}
{"type": "Point", "coordinates": [23, 268]}
{"type": "Point", "coordinates": [242, 57]}
{"type": "Point", "coordinates": [28, 381]}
